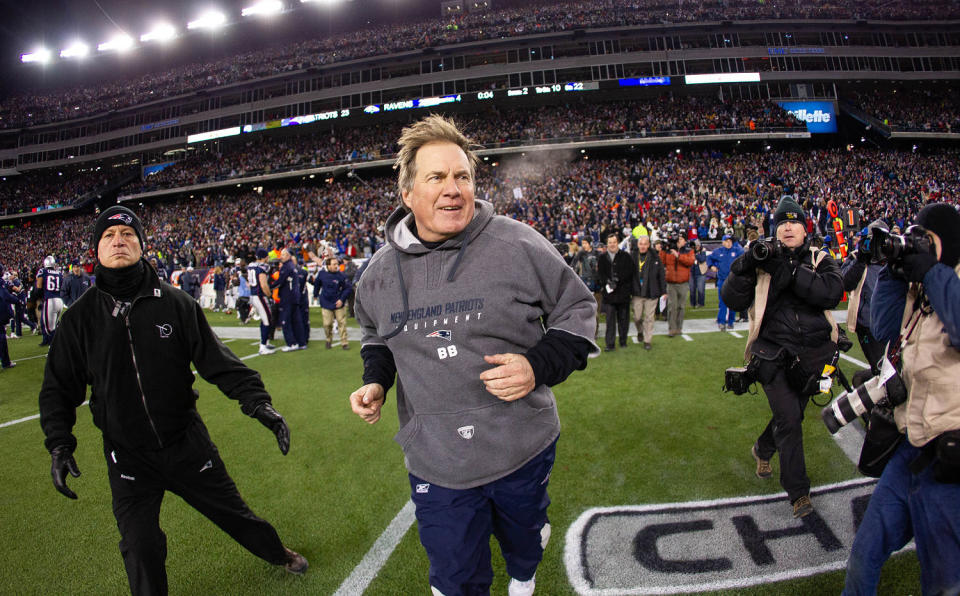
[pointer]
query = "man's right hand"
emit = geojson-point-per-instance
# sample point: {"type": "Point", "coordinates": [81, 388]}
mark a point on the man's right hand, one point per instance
{"type": "Point", "coordinates": [367, 401]}
{"type": "Point", "coordinates": [744, 264]}
{"type": "Point", "coordinates": [63, 462]}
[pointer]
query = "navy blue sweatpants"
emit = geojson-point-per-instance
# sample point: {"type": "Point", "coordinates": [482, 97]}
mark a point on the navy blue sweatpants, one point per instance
{"type": "Point", "coordinates": [455, 526]}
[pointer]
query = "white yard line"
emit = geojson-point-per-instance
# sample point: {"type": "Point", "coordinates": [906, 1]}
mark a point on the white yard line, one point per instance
{"type": "Point", "coordinates": [854, 360]}
{"type": "Point", "coordinates": [735, 334]}
{"type": "Point", "coordinates": [361, 576]}
{"type": "Point", "coordinates": [29, 418]}
{"type": "Point", "coordinates": [686, 337]}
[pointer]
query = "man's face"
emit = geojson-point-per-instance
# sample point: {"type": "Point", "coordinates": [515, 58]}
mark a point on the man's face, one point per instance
{"type": "Point", "coordinates": [284, 255]}
{"type": "Point", "coordinates": [586, 245]}
{"type": "Point", "coordinates": [119, 247]}
{"type": "Point", "coordinates": [612, 245]}
{"type": "Point", "coordinates": [791, 233]}
{"type": "Point", "coordinates": [442, 195]}
{"type": "Point", "coordinates": [681, 241]}
{"type": "Point", "coordinates": [333, 265]}
{"type": "Point", "coordinates": [643, 244]}
{"type": "Point", "coordinates": [728, 243]}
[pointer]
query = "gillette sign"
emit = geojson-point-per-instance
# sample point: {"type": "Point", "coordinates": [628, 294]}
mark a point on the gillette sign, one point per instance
{"type": "Point", "coordinates": [820, 116]}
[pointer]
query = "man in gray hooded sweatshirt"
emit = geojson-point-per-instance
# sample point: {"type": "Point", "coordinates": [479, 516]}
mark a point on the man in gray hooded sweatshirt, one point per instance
{"type": "Point", "coordinates": [477, 315]}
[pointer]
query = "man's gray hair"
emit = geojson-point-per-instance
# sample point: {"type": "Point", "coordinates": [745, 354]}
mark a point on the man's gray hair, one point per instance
{"type": "Point", "coordinates": [434, 128]}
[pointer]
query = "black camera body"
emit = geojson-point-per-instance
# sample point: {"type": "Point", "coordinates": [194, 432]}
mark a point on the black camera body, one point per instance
{"type": "Point", "coordinates": [881, 244]}
{"type": "Point", "coordinates": [765, 248]}
{"type": "Point", "coordinates": [672, 240]}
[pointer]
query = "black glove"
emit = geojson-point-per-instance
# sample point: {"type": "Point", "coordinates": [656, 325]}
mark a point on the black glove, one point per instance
{"type": "Point", "coordinates": [915, 266]}
{"type": "Point", "coordinates": [744, 264]}
{"type": "Point", "coordinates": [275, 422]}
{"type": "Point", "coordinates": [63, 462]}
{"type": "Point", "coordinates": [772, 265]}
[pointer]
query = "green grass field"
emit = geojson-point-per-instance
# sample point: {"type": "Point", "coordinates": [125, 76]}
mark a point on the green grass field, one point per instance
{"type": "Point", "coordinates": [638, 428]}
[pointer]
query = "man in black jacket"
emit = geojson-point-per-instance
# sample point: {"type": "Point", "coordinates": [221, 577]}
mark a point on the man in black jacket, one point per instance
{"type": "Point", "coordinates": [789, 294]}
{"type": "Point", "coordinates": [649, 285]}
{"type": "Point", "coordinates": [132, 339]}
{"type": "Point", "coordinates": [616, 269]}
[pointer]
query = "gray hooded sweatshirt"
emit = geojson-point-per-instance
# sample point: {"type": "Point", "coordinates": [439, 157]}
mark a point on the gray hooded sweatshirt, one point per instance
{"type": "Point", "coordinates": [495, 288]}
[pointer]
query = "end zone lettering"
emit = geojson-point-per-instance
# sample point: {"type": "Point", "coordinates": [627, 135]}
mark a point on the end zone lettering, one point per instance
{"type": "Point", "coordinates": [712, 545]}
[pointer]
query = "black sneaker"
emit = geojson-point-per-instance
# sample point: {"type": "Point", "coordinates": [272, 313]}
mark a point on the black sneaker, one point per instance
{"type": "Point", "coordinates": [296, 563]}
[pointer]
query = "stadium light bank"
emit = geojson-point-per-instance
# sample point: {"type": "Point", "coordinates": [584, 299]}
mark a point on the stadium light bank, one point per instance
{"type": "Point", "coordinates": [160, 32]}
{"type": "Point", "coordinates": [40, 56]}
{"type": "Point", "coordinates": [77, 49]}
{"type": "Point", "coordinates": [119, 43]}
{"type": "Point", "coordinates": [263, 8]}
{"type": "Point", "coordinates": [208, 20]}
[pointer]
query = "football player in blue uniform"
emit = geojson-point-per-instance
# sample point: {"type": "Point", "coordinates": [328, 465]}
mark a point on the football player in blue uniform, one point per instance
{"type": "Point", "coordinates": [258, 276]}
{"type": "Point", "coordinates": [49, 280]}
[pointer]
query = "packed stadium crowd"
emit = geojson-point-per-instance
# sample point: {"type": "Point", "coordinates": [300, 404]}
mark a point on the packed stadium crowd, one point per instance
{"type": "Point", "coordinates": [706, 194]}
{"type": "Point", "coordinates": [516, 19]}
{"type": "Point", "coordinates": [913, 109]}
{"type": "Point", "coordinates": [48, 188]}
{"type": "Point", "coordinates": [496, 127]}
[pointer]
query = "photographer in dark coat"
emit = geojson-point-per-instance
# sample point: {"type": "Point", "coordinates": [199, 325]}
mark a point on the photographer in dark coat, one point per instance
{"type": "Point", "coordinates": [789, 288]}
{"type": "Point", "coordinates": [132, 338]}
{"type": "Point", "coordinates": [616, 269]}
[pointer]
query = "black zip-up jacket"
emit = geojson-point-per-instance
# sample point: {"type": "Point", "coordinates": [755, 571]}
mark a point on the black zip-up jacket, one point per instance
{"type": "Point", "coordinates": [798, 296]}
{"type": "Point", "coordinates": [137, 362]}
{"type": "Point", "coordinates": [649, 281]}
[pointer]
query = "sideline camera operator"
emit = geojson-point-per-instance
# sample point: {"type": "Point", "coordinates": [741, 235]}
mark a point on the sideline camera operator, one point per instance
{"type": "Point", "coordinates": [789, 287]}
{"type": "Point", "coordinates": [919, 491]}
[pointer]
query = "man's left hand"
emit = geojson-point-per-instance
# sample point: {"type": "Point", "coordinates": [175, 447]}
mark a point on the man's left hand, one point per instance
{"type": "Point", "coordinates": [512, 379]}
{"type": "Point", "coordinates": [275, 422]}
{"type": "Point", "coordinates": [915, 266]}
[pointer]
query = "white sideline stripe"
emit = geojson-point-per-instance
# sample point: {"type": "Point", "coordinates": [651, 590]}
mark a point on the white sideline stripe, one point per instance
{"type": "Point", "coordinates": [29, 358]}
{"type": "Point", "coordinates": [29, 418]}
{"type": "Point", "coordinates": [686, 337]}
{"type": "Point", "coordinates": [735, 334]}
{"type": "Point", "coordinates": [226, 341]}
{"type": "Point", "coordinates": [361, 576]}
{"type": "Point", "coordinates": [854, 360]}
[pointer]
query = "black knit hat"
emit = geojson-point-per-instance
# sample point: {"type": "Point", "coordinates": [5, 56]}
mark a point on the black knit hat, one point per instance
{"type": "Point", "coordinates": [789, 210]}
{"type": "Point", "coordinates": [944, 221]}
{"type": "Point", "coordinates": [116, 216]}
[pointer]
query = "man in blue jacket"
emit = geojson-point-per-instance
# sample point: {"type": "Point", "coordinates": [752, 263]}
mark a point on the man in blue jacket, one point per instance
{"type": "Point", "coordinates": [720, 260]}
{"type": "Point", "coordinates": [332, 288]}
{"type": "Point", "coordinates": [289, 290]}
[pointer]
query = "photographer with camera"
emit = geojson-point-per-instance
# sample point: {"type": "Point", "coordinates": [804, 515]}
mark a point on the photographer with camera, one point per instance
{"type": "Point", "coordinates": [918, 296]}
{"type": "Point", "coordinates": [789, 287]}
{"type": "Point", "coordinates": [860, 272]}
{"type": "Point", "coordinates": [616, 270]}
{"type": "Point", "coordinates": [677, 260]}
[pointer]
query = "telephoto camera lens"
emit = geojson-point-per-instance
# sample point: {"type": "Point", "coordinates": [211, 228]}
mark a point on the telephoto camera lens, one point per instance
{"type": "Point", "coordinates": [862, 398]}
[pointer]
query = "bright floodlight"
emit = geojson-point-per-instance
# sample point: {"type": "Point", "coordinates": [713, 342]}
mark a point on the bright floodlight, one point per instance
{"type": "Point", "coordinates": [118, 43]}
{"type": "Point", "coordinates": [41, 56]}
{"type": "Point", "coordinates": [263, 7]}
{"type": "Point", "coordinates": [208, 20]}
{"type": "Point", "coordinates": [77, 49]}
{"type": "Point", "coordinates": [318, 1]}
{"type": "Point", "coordinates": [161, 32]}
